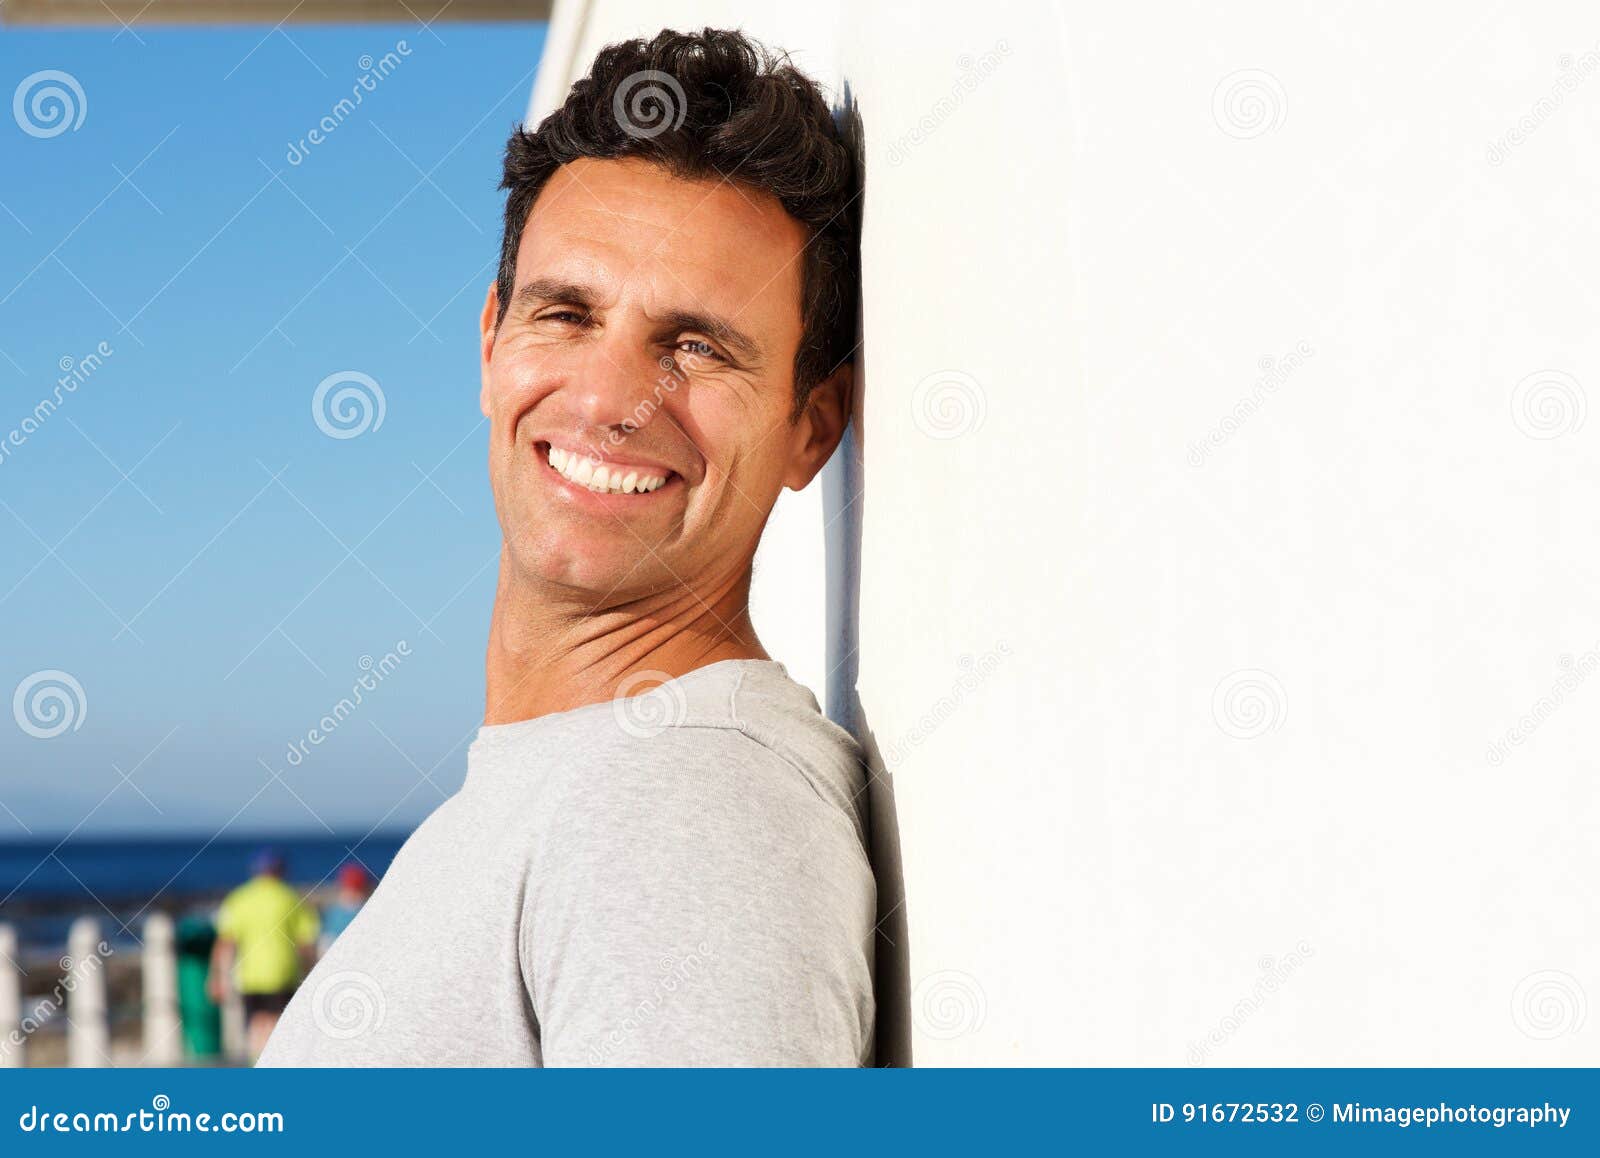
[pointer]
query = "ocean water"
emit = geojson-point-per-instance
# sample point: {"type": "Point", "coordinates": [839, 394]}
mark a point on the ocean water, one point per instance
{"type": "Point", "coordinates": [46, 884]}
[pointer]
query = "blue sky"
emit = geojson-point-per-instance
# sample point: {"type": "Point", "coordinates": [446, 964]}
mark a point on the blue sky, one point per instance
{"type": "Point", "coordinates": [179, 534]}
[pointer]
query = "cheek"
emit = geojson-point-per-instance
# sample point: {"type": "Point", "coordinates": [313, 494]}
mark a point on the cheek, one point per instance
{"type": "Point", "coordinates": [745, 458]}
{"type": "Point", "coordinates": [518, 379]}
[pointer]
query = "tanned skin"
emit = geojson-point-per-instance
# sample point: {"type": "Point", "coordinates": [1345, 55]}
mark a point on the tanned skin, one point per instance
{"type": "Point", "coordinates": [653, 326]}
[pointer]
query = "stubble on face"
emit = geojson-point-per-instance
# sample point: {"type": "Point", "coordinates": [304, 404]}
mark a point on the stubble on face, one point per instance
{"type": "Point", "coordinates": [653, 326]}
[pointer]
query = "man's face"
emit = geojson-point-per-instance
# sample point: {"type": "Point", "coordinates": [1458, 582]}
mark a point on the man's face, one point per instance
{"type": "Point", "coordinates": [651, 334]}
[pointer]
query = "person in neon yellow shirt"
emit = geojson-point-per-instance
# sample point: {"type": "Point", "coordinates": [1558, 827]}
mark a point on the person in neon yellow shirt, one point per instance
{"type": "Point", "coordinates": [266, 939]}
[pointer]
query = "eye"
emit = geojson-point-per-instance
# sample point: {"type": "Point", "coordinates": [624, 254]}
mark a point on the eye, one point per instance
{"type": "Point", "coordinates": [565, 317]}
{"type": "Point", "coordinates": [698, 348]}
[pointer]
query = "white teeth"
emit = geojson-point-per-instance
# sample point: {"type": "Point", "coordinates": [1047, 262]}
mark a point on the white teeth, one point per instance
{"type": "Point", "coordinates": [604, 480]}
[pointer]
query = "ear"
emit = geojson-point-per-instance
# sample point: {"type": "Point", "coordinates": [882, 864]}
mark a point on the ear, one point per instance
{"type": "Point", "coordinates": [486, 332]}
{"type": "Point", "coordinates": [816, 434]}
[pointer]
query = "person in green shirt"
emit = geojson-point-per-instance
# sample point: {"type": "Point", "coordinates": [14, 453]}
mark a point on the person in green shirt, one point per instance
{"type": "Point", "coordinates": [266, 939]}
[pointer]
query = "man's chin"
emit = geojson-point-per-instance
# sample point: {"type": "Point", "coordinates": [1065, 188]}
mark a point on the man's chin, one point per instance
{"type": "Point", "coordinates": [610, 567]}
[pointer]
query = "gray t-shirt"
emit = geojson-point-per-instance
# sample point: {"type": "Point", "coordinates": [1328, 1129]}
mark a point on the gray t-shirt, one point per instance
{"type": "Point", "coordinates": [676, 878]}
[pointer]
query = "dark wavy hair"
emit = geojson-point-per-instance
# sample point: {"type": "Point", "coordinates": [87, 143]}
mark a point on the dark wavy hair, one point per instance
{"type": "Point", "coordinates": [714, 104]}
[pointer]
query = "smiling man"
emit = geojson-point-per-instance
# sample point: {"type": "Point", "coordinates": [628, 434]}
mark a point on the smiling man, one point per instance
{"type": "Point", "coordinates": [658, 855]}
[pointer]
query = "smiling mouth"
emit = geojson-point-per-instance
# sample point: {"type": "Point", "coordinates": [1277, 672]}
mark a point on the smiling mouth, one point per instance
{"type": "Point", "coordinates": [607, 478]}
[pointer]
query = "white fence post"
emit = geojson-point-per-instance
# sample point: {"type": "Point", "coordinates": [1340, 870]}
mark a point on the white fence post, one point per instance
{"type": "Point", "coordinates": [163, 1030]}
{"type": "Point", "coordinates": [88, 1025]}
{"type": "Point", "coordinates": [13, 1049]}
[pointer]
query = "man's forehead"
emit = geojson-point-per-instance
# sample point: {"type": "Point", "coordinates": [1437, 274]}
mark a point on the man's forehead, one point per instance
{"type": "Point", "coordinates": [597, 214]}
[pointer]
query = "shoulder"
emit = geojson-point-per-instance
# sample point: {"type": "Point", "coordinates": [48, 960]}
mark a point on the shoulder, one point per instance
{"type": "Point", "coordinates": [698, 854]}
{"type": "Point", "coordinates": [711, 793]}
{"type": "Point", "coordinates": [728, 776]}
{"type": "Point", "coordinates": [759, 701]}
{"type": "Point", "coordinates": [736, 742]}
{"type": "Point", "coordinates": [713, 782]}
{"type": "Point", "coordinates": [242, 897]}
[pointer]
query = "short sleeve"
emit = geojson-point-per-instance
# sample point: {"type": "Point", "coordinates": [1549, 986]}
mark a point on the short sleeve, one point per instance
{"type": "Point", "coordinates": [228, 918]}
{"type": "Point", "coordinates": [704, 907]}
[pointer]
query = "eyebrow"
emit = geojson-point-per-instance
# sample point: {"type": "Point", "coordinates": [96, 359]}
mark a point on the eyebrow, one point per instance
{"type": "Point", "coordinates": [745, 347]}
{"type": "Point", "coordinates": [550, 289]}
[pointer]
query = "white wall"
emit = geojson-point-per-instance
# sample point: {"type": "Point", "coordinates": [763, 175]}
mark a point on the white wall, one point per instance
{"type": "Point", "coordinates": [1116, 848]}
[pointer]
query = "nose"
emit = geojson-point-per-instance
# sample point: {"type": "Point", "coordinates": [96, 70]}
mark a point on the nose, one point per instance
{"type": "Point", "coordinates": [618, 387]}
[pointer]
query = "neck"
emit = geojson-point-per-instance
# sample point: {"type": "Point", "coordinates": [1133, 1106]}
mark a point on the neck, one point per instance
{"type": "Point", "coordinates": [551, 652]}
